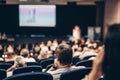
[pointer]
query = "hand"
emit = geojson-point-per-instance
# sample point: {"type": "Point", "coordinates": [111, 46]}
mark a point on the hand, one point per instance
{"type": "Point", "coordinates": [54, 67]}
{"type": "Point", "coordinates": [96, 71]}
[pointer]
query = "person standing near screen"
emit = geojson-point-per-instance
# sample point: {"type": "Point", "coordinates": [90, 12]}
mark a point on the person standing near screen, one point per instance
{"type": "Point", "coordinates": [76, 33]}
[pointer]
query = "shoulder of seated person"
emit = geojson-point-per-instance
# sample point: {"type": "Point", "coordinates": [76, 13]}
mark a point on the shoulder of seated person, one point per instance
{"type": "Point", "coordinates": [77, 67]}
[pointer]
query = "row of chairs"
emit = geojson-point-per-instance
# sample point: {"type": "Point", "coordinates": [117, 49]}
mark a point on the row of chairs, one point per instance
{"type": "Point", "coordinates": [70, 75]}
{"type": "Point", "coordinates": [43, 64]}
{"type": "Point", "coordinates": [46, 64]}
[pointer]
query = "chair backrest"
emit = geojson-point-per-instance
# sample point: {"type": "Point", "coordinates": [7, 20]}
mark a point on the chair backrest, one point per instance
{"type": "Point", "coordinates": [11, 62]}
{"type": "Point", "coordinates": [75, 74]}
{"type": "Point", "coordinates": [32, 63]}
{"type": "Point", "coordinates": [75, 60]}
{"type": "Point", "coordinates": [86, 63]}
{"type": "Point", "coordinates": [31, 76]}
{"type": "Point", "coordinates": [2, 61]}
{"type": "Point", "coordinates": [45, 63]}
{"type": "Point", "coordinates": [48, 67]}
{"type": "Point", "coordinates": [2, 74]}
{"type": "Point", "coordinates": [5, 65]}
{"type": "Point", "coordinates": [27, 69]}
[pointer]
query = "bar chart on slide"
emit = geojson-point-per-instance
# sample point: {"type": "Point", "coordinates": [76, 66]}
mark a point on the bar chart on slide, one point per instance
{"type": "Point", "coordinates": [37, 15]}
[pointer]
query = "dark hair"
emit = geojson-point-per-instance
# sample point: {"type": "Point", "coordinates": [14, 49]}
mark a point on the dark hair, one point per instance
{"type": "Point", "coordinates": [25, 54]}
{"type": "Point", "coordinates": [111, 61]}
{"type": "Point", "coordinates": [64, 54]}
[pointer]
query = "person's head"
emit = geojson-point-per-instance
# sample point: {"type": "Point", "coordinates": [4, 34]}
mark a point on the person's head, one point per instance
{"type": "Point", "coordinates": [19, 61]}
{"type": "Point", "coordinates": [111, 61]}
{"type": "Point", "coordinates": [64, 54]}
{"type": "Point", "coordinates": [24, 52]}
{"type": "Point", "coordinates": [77, 27]}
{"type": "Point", "coordinates": [42, 55]}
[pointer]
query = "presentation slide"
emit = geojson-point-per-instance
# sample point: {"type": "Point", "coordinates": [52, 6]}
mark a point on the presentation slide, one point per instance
{"type": "Point", "coordinates": [37, 15]}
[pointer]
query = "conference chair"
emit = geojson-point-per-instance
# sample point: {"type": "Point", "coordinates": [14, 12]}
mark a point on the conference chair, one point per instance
{"type": "Point", "coordinates": [75, 74]}
{"type": "Point", "coordinates": [3, 74]}
{"type": "Point", "coordinates": [75, 60]}
{"type": "Point", "coordinates": [48, 67]}
{"type": "Point", "coordinates": [11, 62]}
{"type": "Point", "coordinates": [86, 63]}
{"type": "Point", "coordinates": [46, 62]}
{"type": "Point", "coordinates": [27, 69]}
{"type": "Point", "coordinates": [5, 65]}
{"type": "Point", "coordinates": [32, 63]}
{"type": "Point", "coordinates": [31, 76]}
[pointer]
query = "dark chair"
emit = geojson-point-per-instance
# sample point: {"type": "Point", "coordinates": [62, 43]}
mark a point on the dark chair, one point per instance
{"type": "Point", "coordinates": [75, 74]}
{"type": "Point", "coordinates": [31, 76]}
{"type": "Point", "coordinates": [45, 63]}
{"type": "Point", "coordinates": [32, 63]}
{"type": "Point", "coordinates": [5, 65]}
{"type": "Point", "coordinates": [27, 69]}
{"type": "Point", "coordinates": [2, 74]}
{"type": "Point", "coordinates": [11, 62]}
{"type": "Point", "coordinates": [2, 61]}
{"type": "Point", "coordinates": [86, 63]}
{"type": "Point", "coordinates": [75, 60]}
{"type": "Point", "coordinates": [48, 67]}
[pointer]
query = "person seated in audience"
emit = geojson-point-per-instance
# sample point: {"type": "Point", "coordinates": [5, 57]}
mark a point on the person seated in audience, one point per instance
{"type": "Point", "coordinates": [49, 43]}
{"type": "Point", "coordinates": [77, 52]}
{"type": "Point", "coordinates": [88, 41]}
{"type": "Point", "coordinates": [18, 49]}
{"type": "Point", "coordinates": [10, 54]}
{"type": "Point", "coordinates": [108, 60]}
{"type": "Point", "coordinates": [36, 49]}
{"type": "Point", "coordinates": [82, 43]}
{"type": "Point", "coordinates": [4, 37]}
{"type": "Point", "coordinates": [89, 51]}
{"type": "Point", "coordinates": [55, 43]}
{"type": "Point", "coordinates": [50, 54]}
{"type": "Point", "coordinates": [25, 53]}
{"type": "Point", "coordinates": [10, 49]}
{"type": "Point", "coordinates": [42, 44]}
{"type": "Point", "coordinates": [62, 62]}
{"type": "Point", "coordinates": [18, 62]}
{"type": "Point", "coordinates": [75, 47]}
{"type": "Point", "coordinates": [42, 55]}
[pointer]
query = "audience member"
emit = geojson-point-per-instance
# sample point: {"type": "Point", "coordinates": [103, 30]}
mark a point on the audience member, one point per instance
{"type": "Point", "coordinates": [10, 49]}
{"type": "Point", "coordinates": [107, 62]}
{"type": "Point", "coordinates": [4, 37]}
{"type": "Point", "coordinates": [17, 49]}
{"type": "Point", "coordinates": [8, 56]}
{"type": "Point", "coordinates": [36, 49]}
{"type": "Point", "coordinates": [25, 53]}
{"type": "Point", "coordinates": [18, 62]}
{"type": "Point", "coordinates": [42, 55]}
{"type": "Point", "coordinates": [62, 62]}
